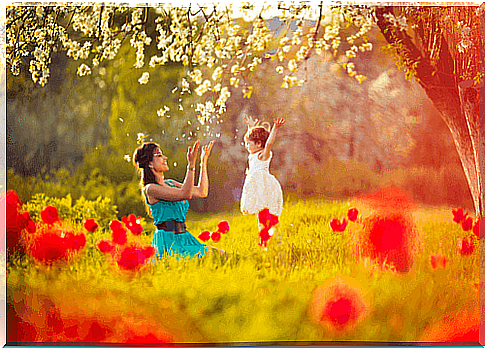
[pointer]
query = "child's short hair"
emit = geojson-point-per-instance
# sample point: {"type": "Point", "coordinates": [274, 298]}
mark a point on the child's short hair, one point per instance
{"type": "Point", "coordinates": [257, 133]}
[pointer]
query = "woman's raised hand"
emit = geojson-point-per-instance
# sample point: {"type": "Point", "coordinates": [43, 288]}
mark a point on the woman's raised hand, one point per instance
{"type": "Point", "coordinates": [192, 154]}
{"type": "Point", "coordinates": [206, 151]}
{"type": "Point", "coordinates": [249, 121]}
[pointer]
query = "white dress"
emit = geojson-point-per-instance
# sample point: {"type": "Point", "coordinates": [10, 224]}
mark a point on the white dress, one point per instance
{"type": "Point", "coordinates": [261, 189]}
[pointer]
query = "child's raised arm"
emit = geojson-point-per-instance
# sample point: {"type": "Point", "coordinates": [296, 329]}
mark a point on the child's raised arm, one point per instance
{"type": "Point", "coordinates": [249, 121]}
{"type": "Point", "coordinates": [278, 123]}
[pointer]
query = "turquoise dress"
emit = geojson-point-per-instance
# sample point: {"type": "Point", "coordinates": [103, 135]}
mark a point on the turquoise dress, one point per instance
{"type": "Point", "coordinates": [167, 242]}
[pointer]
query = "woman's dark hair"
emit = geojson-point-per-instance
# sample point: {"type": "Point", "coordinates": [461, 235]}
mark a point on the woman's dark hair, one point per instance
{"type": "Point", "coordinates": [141, 158]}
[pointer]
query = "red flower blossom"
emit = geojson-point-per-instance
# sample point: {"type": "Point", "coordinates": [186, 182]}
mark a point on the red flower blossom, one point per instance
{"type": "Point", "coordinates": [438, 261]}
{"type": "Point", "coordinates": [105, 245]}
{"type": "Point", "coordinates": [148, 251]}
{"type": "Point", "coordinates": [216, 236]}
{"type": "Point", "coordinates": [264, 236]}
{"type": "Point", "coordinates": [132, 224]}
{"type": "Point", "coordinates": [204, 236]}
{"type": "Point", "coordinates": [466, 246]}
{"type": "Point", "coordinates": [119, 233]}
{"type": "Point", "coordinates": [476, 227]}
{"type": "Point", "coordinates": [115, 225]}
{"type": "Point", "coordinates": [267, 219]}
{"type": "Point", "coordinates": [90, 225]}
{"type": "Point", "coordinates": [49, 215]}
{"type": "Point", "coordinates": [133, 257]}
{"type": "Point", "coordinates": [75, 241]}
{"type": "Point", "coordinates": [14, 221]}
{"type": "Point", "coordinates": [31, 227]}
{"type": "Point", "coordinates": [388, 238]}
{"type": "Point", "coordinates": [467, 224]}
{"type": "Point", "coordinates": [119, 236]}
{"type": "Point", "coordinates": [263, 216]}
{"type": "Point", "coordinates": [338, 306]}
{"type": "Point", "coordinates": [27, 222]}
{"type": "Point", "coordinates": [352, 214]}
{"type": "Point", "coordinates": [458, 215]}
{"type": "Point", "coordinates": [13, 199]}
{"type": "Point", "coordinates": [49, 247]}
{"type": "Point", "coordinates": [223, 227]}
{"type": "Point", "coordinates": [337, 225]}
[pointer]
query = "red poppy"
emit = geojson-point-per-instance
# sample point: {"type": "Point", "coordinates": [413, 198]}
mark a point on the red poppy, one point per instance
{"type": "Point", "coordinates": [467, 224]}
{"type": "Point", "coordinates": [388, 238]}
{"type": "Point", "coordinates": [215, 236]}
{"type": "Point", "coordinates": [90, 225]}
{"type": "Point", "coordinates": [119, 233]}
{"type": "Point", "coordinates": [49, 215]}
{"type": "Point", "coordinates": [27, 222]}
{"type": "Point", "coordinates": [458, 215]}
{"type": "Point", "coordinates": [267, 219]}
{"type": "Point", "coordinates": [337, 306]}
{"type": "Point", "coordinates": [75, 241]}
{"type": "Point", "coordinates": [204, 236]}
{"type": "Point", "coordinates": [119, 236]}
{"type": "Point", "coordinates": [264, 236]}
{"type": "Point", "coordinates": [476, 227]}
{"type": "Point", "coordinates": [49, 247]}
{"type": "Point", "coordinates": [337, 225]}
{"type": "Point", "coordinates": [31, 227]}
{"type": "Point", "coordinates": [131, 222]}
{"type": "Point", "coordinates": [13, 199]}
{"type": "Point", "coordinates": [133, 257]}
{"type": "Point", "coordinates": [273, 220]}
{"type": "Point", "coordinates": [223, 227]}
{"type": "Point", "coordinates": [438, 261]}
{"type": "Point", "coordinates": [148, 251]}
{"type": "Point", "coordinates": [263, 216]}
{"type": "Point", "coordinates": [14, 220]}
{"type": "Point", "coordinates": [352, 214]}
{"type": "Point", "coordinates": [115, 225]}
{"type": "Point", "coordinates": [105, 245]}
{"type": "Point", "coordinates": [466, 246]}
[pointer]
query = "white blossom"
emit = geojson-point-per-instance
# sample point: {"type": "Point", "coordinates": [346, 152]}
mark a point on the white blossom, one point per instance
{"type": "Point", "coordinates": [83, 70]}
{"type": "Point", "coordinates": [144, 78]}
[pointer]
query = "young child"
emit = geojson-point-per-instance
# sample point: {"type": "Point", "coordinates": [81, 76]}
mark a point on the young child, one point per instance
{"type": "Point", "coordinates": [261, 189]}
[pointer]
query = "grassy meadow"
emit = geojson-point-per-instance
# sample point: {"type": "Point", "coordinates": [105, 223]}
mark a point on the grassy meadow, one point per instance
{"type": "Point", "coordinates": [250, 295]}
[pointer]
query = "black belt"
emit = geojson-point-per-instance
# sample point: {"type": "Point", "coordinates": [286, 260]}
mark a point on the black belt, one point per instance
{"type": "Point", "coordinates": [172, 226]}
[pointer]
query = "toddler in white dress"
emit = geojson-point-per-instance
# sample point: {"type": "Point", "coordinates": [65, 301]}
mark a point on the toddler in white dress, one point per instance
{"type": "Point", "coordinates": [261, 189]}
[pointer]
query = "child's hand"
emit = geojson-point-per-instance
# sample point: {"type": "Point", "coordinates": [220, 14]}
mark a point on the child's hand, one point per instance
{"type": "Point", "coordinates": [279, 122]}
{"type": "Point", "coordinates": [249, 121]}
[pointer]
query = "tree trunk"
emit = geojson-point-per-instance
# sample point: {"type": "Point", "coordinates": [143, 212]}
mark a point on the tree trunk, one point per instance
{"type": "Point", "coordinates": [457, 104]}
{"type": "Point", "coordinates": [470, 99]}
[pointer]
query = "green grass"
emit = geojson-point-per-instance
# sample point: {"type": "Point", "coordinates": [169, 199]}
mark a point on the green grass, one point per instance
{"type": "Point", "coordinates": [263, 296]}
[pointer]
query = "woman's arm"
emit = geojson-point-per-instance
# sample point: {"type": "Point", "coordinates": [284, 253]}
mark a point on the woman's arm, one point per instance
{"type": "Point", "coordinates": [202, 190]}
{"type": "Point", "coordinates": [185, 191]}
{"type": "Point", "coordinates": [264, 155]}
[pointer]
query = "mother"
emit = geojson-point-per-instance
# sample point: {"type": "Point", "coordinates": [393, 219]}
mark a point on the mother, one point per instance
{"type": "Point", "coordinates": [167, 199]}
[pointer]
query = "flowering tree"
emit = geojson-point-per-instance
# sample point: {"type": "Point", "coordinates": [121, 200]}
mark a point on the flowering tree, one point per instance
{"type": "Point", "coordinates": [221, 46]}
